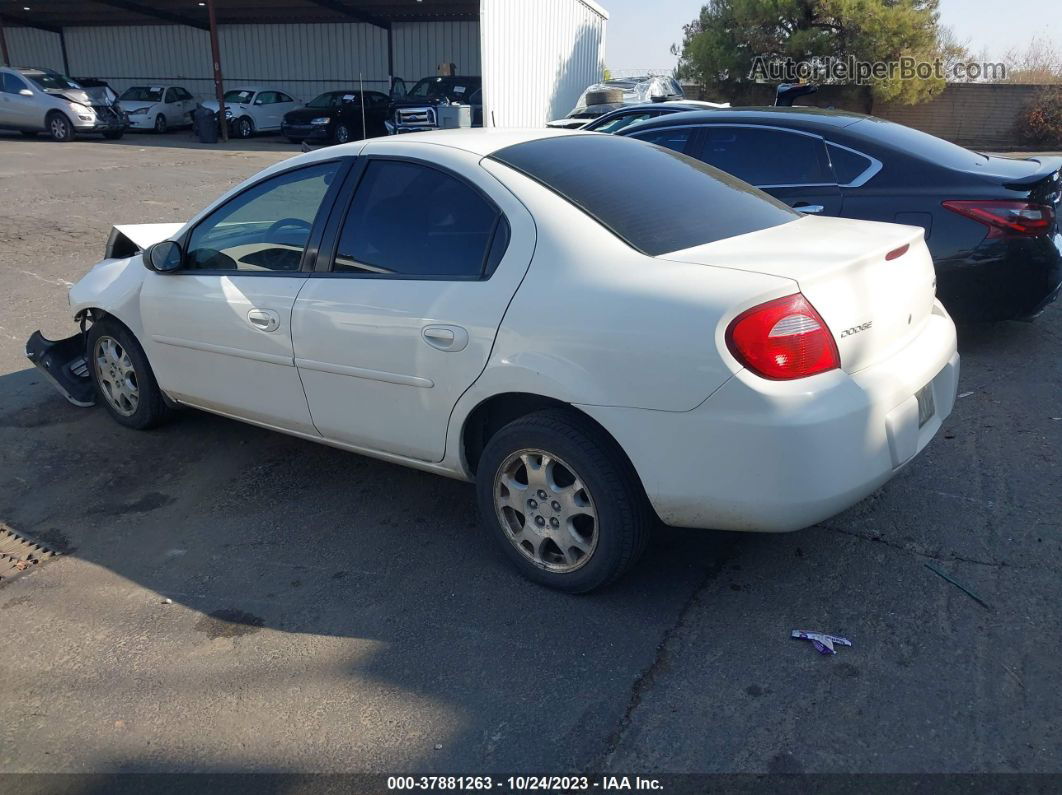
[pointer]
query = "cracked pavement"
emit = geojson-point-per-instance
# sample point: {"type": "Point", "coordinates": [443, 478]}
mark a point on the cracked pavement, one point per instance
{"type": "Point", "coordinates": [332, 613]}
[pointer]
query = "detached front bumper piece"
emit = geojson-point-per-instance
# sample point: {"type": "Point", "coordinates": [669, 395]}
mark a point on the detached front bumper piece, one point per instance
{"type": "Point", "coordinates": [64, 363]}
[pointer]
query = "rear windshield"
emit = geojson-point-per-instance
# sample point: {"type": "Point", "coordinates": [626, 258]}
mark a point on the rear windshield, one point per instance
{"type": "Point", "coordinates": [918, 143]}
{"type": "Point", "coordinates": [655, 199]}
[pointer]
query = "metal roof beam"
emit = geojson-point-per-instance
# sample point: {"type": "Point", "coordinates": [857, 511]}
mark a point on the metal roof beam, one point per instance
{"type": "Point", "coordinates": [12, 20]}
{"type": "Point", "coordinates": [148, 11]}
{"type": "Point", "coordinates": [353, 13]}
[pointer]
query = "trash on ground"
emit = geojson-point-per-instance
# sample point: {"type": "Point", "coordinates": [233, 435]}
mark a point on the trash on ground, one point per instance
{"type": "Point", "coordinates": [965, 394]}
{"type": "Point", "coordinates": [822, 642]}
{"type": "Point", "coordinates": [960, 586]}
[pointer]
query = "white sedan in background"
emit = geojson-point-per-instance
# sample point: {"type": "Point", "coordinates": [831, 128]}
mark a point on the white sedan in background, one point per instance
{"type": "Point", "coordinates": [254, 109]}
{"type": "Point", "coordinates": [157, 107]}
{"type": "Point", "coordinates": [592, 329]}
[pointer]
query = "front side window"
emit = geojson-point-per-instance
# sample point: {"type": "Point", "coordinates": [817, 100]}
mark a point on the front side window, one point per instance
{"type": "Point", "coordinates": [265, 228]}
{"type": "Point", "coordinates": [142, 94]}
{"type": "Point", "coordinates": [11, 84]}
{"type": "Point", "coordinates": [266, 98]}
{"type": "Point", "coordinates": [767, 157]}
{"type": "Point", "coordinates": [652, 198]}
{"type": "Point", "coordinates": [411, 220]}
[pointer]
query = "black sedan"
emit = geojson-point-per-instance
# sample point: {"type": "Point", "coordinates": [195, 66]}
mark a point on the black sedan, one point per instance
{"type": "Point", "coordinates": [336, 116]}
{"type": "Point", "coordinates": [991, 223]}
{"type": "Point", "coordinates": [616, 120]}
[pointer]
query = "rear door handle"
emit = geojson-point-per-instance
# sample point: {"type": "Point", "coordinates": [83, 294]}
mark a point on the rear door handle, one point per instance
{"type": "Point", "coordinates": [264, 319]}
{"type": "Point", "coordinates": [445, 337]}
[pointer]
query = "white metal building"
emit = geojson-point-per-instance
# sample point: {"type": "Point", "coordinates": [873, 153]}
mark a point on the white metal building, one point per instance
{"type": "Point", "coordinates": [535, 56]}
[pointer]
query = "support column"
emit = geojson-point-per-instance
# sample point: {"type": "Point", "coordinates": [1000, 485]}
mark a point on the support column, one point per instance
{"type": "Point", "coordinates": [62, 46]}
{"type": "Point", "coordinates": [219, 86]}
{"type": "Point", "coordinates": [3, 45]}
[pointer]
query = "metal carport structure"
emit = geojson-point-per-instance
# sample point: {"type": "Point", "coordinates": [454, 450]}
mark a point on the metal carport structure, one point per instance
{"type": "Point", "coordinates": [535, 56]}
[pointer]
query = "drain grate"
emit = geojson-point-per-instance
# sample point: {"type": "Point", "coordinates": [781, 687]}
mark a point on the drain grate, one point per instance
{"type": "Point", "coordinates": [19, 554]}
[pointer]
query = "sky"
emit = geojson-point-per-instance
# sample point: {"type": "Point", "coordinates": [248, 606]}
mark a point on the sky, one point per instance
{"type": "Point", "coordinates": [641, 32]}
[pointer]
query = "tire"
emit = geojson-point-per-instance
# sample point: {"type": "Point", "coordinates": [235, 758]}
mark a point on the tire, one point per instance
{"type": "Point", "coordinates": [595, 507]}
{"type": "Point", "coordinates": [160, 124]}
{"type": "Point", "coordinates": [342, 134]}
{"type": "Point", "coordinates": [608, 96]}
{"type": "Point", "coordinates": [244, 127]}
{"type": "Point", "coordinates": [114, 354]}
{"type": "Point", "coordinates": [114, 135]}
{"type": "Point", "coordinates": [28, 133]}
{"type": "Point", "coordinates": [59, 127]}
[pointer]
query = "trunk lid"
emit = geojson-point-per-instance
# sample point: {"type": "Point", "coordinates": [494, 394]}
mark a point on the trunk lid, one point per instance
{"type": "Point", "coordinates": [872, 305]}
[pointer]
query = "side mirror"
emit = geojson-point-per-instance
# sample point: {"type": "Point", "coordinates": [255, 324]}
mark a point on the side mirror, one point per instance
{"type": "Point", "coordinates": [164, 257]}
{"type": "Point", "coordinates": [25, 92]}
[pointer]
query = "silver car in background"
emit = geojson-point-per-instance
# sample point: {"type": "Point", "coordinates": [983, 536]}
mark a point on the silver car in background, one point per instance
{"type": "Point", "coordinates": [40, 100]}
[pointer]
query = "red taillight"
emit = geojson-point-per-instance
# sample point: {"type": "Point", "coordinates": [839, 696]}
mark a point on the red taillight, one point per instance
{"type": "Point", "coordinates": [1007, 218]}
{"type": "Point", "coordinates": [783, 339]}
{"type": "Point", "coordinates": [896, 253]}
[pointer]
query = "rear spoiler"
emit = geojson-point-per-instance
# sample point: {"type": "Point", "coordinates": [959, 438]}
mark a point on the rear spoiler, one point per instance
{"type": "Point", "coordinates": [1047, 171]}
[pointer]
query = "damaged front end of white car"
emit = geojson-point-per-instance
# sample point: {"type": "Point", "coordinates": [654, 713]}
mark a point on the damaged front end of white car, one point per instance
{"type": "Point", "coordinates": [65, 362]}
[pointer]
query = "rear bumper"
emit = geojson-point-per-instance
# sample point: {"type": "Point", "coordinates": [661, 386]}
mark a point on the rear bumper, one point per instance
{"type": "Point", "coordinates": [774, 456]}
{"type": "Point", "coordinates": [1002, 279]}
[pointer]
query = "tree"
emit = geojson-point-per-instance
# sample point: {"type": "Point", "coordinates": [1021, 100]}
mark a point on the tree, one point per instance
{"type": "Point", "coordinates": [720, 47]}
{"type": "Point", "coordinates": [1039, 62]}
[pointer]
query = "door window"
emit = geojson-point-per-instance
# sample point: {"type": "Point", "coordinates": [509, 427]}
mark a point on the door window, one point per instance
{"type": "Point", "coordinates": [411, 220]}
{"type": "Point", "coordinates": [171, 96]}
{"type": "Point", "coordinates": [266, 98]}
{"type": "Point", "coordinates": [181, 95]}
{"type": "Point", "coordinates": [670, 137]}
{"type": "Point", "coordinates": [766, 157]}
{"type": "Point", "coordinates": [12, 84]}
{"type": "Point", "coordinates": [279, 97]}
{"type": "Point", "coordinates": [266, 228]}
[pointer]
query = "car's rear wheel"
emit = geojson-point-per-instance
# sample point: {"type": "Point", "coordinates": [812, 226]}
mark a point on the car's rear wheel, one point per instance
{"type": "Point", "coordinates": [160, 124]}
{"type": "Point", "coordinates": [563, 501]}
{"type": "Point", "coordinates": [244, 128]}
{"type": "Point", "coordinates": [59, 126]}
{"type": "Point", "coordinates": [342, 134]}
{"type": "Point", "coordinates": [123, 378]}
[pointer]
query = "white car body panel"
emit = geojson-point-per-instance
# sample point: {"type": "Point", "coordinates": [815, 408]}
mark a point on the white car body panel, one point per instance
{"type": "Point", "coordinates": [635, 342]}
{"type": "Point", "coordinates": [266, 118]}
{"type": "Point", "coordinates": [176, 112]}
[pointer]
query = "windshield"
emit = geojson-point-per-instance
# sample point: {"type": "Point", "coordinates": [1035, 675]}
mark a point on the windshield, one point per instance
{"type": "Point", "coordinates": [52, 81]}
{"type": "Point", "coordinates": [142, 94]}
{"type": "Point", "coordinates": [238, 96]}
{"type": "Point", "coordinates": [328, 99]}
{"type": "Point", "coordinates": [658, 200]}
{"type": "Point", "coordinates": [454, 89]}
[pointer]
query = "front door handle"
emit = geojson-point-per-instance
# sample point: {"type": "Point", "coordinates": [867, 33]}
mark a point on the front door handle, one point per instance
{"type": "Point", "coordinates": [445, 337]}
{"type": "Point", "coordinates": [264, 319]}
{"type": "Point", "coordinates": [810, 209]}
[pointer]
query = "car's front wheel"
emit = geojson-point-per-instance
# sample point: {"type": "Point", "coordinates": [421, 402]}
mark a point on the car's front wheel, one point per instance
{"type": "Point", "coordinates": [244, 128]}
{"type": "Point", "coordinates": [124, 381]}
{"type": "Point", "coordinates": [160, 124]}
{"type": "Point", "coordinates": [59, 126]}
{"type": "Point", "coordinates": [563, 501]}
{"type": "Point", "coordinates": [342, 134]}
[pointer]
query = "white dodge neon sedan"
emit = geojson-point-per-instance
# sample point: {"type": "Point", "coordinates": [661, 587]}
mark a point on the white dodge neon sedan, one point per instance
{"type": "Point", "coordinates": [595, 330]}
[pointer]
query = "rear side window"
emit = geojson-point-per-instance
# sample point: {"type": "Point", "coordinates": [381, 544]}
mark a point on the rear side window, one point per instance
{"type": "Point", "coordinates": [763, 156]}
{"type": "Point", "coordinates": [617, 123]}
{"type": "Point", "coordinates": [411, 220]}
{"type": "Point", "coordinates": [848, 166]}
{"type": "Point", "coordinates": [654, 199]}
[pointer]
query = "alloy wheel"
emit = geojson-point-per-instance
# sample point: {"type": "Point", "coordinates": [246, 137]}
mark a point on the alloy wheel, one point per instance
{"type": "Point", "coordinates": [116, 375]}
{"type": "Point", "coordinates": [58, 128]}
{"type": "Point", "coordinates": [546, 510]}
{"type": "Point", "coordinates": [160, 123]}
{"type": "Point", "coordinates": [342, 134]}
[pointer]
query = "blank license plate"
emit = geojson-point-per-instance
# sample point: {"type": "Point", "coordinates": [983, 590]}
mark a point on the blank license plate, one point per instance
{"type": "Point", "coordinates": [925, 404]}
